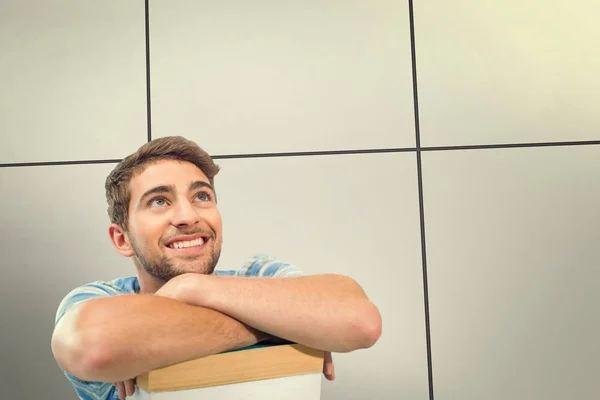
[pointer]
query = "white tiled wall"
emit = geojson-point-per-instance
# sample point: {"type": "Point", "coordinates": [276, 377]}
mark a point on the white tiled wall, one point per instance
{"type": "Point", "coordinates": [514, 282]}
{"type": "Point", "coordinates": [271, 76]}
{"type": "Point", "coordinates": [510, 234]}
{"type": "Point", "coordinates": [507, 71]}
{"type": "Point", "coordinates": [72, 77]}
{"type": "Point", "coordinates": [54, 238]}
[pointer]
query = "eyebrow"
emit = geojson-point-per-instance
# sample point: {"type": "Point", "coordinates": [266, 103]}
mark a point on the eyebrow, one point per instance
{"type": "Point", "coordinates": [200, 184]}
{"type": "Point", "coordinates": [171, 188]}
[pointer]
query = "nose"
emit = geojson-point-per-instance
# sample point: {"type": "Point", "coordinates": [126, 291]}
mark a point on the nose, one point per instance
{"type": "Point", "coordinates": [184, 215]}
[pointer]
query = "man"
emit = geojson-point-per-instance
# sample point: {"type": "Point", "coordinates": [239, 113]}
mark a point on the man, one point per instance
{"type": "Point", "coordinates": [163, 210]}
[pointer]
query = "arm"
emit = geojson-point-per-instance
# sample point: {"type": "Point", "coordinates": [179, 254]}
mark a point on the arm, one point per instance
{"type": "Point", "coordinates": [329, 312]}
{"type": "Point", "coordinates": [119, 337]}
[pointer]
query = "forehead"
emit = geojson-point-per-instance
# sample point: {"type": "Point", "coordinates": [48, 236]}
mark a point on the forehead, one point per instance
{"type": "Point", "coordinates": [165, 172]}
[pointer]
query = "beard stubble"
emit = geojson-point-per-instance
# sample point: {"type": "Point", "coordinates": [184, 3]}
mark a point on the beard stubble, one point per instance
{"type": "Point", "coordinates": [165, 269]}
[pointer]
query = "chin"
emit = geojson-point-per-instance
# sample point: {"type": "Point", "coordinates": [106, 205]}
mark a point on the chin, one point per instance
{"type": "Point", "coordinates": [195, 269]}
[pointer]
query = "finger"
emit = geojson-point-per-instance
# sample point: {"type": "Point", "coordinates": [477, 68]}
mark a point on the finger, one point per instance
{"type": "Point", "coordinates": [130, 387]}
{"type": "Point", "coordinates": [328, 368]}
{"type": "Point", "coordinates": [330, 376]}
{"type": "Point", "coordinates": [121, 388]}
{"type": "Point", "coordinates": [327, 362]}
{"type": "Point", "coordinates": [326, 356]}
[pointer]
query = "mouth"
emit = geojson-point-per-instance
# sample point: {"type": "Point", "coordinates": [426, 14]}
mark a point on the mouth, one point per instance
{"type": "Point", "coordinates": [192, 244]}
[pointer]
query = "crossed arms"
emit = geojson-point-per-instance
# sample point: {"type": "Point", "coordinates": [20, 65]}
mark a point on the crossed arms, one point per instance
{"type": "Point", "coordinates": [117, 338]}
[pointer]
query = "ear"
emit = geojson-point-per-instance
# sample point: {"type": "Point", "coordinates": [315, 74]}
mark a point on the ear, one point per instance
{"type": "Point", "coordinates": [120, 240]}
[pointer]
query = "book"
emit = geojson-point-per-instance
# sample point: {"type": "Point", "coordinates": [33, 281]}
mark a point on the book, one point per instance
{"type": "Point", "coordinates": [257, 369]}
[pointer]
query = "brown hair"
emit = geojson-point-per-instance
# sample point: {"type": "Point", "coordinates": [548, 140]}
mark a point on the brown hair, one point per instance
{"type": "Point", "coordinates": [167, 148]}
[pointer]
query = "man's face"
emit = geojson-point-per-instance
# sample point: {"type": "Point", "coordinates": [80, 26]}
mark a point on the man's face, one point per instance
{"type": "Point", "coordinates": [174, 224]}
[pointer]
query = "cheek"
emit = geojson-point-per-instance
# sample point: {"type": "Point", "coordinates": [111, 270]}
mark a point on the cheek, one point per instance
{"type": "Point", "coordinates": [214, 220]}
{"type": "Point", "coordinates": [151, 229]}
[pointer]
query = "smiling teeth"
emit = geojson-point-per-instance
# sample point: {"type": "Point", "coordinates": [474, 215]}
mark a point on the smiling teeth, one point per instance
{"type": "Point", "coordinates": [185, 244]}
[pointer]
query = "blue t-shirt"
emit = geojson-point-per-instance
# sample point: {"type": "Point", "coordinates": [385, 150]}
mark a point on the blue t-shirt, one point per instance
{"type": "Point", "coordinates": [257, 266]}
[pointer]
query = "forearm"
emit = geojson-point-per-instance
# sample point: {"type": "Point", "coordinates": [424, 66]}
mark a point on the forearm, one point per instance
{"type": "Point", "coordinates": [329, 312]}
{"type": "Point", "coordinates": [120, 337]}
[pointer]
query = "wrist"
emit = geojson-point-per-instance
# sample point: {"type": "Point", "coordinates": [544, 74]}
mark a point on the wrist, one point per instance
{"type": "Point", "coordinates": [193, 289]}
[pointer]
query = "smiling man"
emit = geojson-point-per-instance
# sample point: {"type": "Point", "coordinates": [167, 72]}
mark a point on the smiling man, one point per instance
{"type": "Point", "coordinates": [163, 210]}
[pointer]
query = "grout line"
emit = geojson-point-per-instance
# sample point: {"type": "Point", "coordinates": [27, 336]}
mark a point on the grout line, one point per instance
{"type": "Point", "coordinates": [314, 153]}
{"type": "Point", "coordinates": [329, 152]}
{"type": "Point", "coordinates": [421, 203]}
{"type": "Point", "coordinates": [52, 163]}
{"type": "Point", "coordinates": [511, 145]}
{"type": "Point", "coordinates": [222, 157]}
{"type": "Point", "coordinates": [148, 104]}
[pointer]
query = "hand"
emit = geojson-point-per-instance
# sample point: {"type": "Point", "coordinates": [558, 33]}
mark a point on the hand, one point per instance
{"type": "Point", "coordinates": [184, 287]}
{"type": "Point", "coordinates": [126, 388]}
{"type": "Point", "coordinates": [328, 369]}
{"type": "Point", "coordinates": [171, 288]}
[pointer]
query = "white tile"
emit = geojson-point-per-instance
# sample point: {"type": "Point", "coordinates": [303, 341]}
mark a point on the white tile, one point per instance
{"type": "Point", "coordinates": [355, 215]}
{"type": "Point", "coordinates": [514, 283]}
{"type": "Point", "coordinates": [268, 76]}
{"type": "Point", "coordinates": [510, 71]}
{"type": "Point", "coordinates": [73, 80]}
{"type": "Point", "coordinates": [55, 238]}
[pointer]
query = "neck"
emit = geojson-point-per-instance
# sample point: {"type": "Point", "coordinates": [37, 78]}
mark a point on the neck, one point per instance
{"type": "Point", "coordinates": [148, 283]}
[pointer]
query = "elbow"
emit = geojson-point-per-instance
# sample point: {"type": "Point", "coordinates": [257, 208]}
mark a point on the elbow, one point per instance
{"type": "Point", "coordinates": [81, 358]}
{"type": "Point", "coordinates": [369, 321]}
{"type": "Point", "coordinates": [97, 366]}
{"type": "Point", "coordinates": [96, 363]}
{"type": "Point", "coordinates": [362, 332]}
{"type": "Point", "coordinates": [67, 351]}
{"type": "Point", "coordinates": [369, 328]}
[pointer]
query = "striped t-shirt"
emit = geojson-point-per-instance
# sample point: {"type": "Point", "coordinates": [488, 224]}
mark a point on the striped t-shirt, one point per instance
{"type": "Point", "coordinates": [257, 266]}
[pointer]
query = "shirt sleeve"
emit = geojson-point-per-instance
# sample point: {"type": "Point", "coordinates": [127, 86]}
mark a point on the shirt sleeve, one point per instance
{"type": "Point", "coordinates": [86, 390]}
{"type": "Point", "coordinates": [79, 295]}
{"type": "Point", "coordinates": [262, 265]}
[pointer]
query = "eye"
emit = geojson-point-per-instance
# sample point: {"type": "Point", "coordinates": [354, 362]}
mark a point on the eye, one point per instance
{"type": "Point", "coordinates": [203, 196]}
{"type": "Point", "coordinates": [157, 202]}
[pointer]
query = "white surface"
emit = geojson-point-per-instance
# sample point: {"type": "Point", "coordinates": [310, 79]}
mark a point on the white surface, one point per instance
{"type": "Point", "coordinates": [300, 387]}
{"type": "Point", "coordinates": [514, 282]}
{"type": "Point", "coordinates": [72, 79]}
{"type": "Point", "coordinates": [62, 209]}
{"type": "Point", "coordinates": [508, 71]}
{"type": "Point", "coordinates": [272, 76]}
